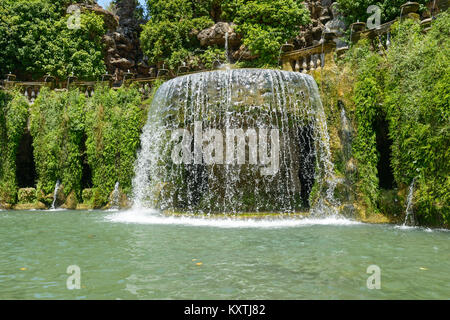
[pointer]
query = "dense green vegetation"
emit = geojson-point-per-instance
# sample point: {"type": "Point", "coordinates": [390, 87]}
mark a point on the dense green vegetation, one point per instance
{"type": "Point", "coordinates": [57, 126]}
{"type": "Point", "coordinates": [13, 119]}
{"type": "Point", "coordinates": [171, 33]}
{"type": "Point", "coordinates": [409, 87]}
{"type": "Point", "coordinates": [405, 86]}
{"type": "Point", "coordinates": [35, 40]}
{"type": "Point", "coordinates": [114, 120]}
{"type": "Point", "coordinates": [66, 125]}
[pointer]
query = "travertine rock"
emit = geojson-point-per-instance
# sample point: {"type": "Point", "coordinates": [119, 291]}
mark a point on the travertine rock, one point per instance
{"type": "Point", "coordinates": [215, 35]}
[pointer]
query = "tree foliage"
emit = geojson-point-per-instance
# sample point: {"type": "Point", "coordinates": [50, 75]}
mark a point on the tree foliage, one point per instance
{"type": "Point", "coordinates": [265, 25]}
{"type": "Point", "coordinates": [171, 33]}
{"type": "Point", "coordinates": [36, 40]}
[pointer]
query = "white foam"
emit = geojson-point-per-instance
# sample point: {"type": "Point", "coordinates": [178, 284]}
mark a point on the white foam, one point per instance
{"type": "Point", "coordinates": [148, 216]}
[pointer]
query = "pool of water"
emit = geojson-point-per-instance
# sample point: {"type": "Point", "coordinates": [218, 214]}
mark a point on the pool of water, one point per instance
{"type": "Point", "coordinates": [126, 255]}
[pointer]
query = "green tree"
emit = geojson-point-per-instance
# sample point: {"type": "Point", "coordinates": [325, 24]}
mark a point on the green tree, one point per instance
{"type": "Point", "coordinates": [36, 40]}
{"type": "Point", "coordinates": [170, 36]}
{"type": "Point", "coordinates": [266, 24]}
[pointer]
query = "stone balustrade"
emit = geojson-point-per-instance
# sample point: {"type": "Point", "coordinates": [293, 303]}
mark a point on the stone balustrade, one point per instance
{"type": "Point", "coordinates": [308, 59]}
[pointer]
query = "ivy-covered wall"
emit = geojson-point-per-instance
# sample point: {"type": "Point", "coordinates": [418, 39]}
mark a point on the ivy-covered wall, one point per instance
{"type": "Point", "coordinates": [72, 135]}
{"type": "Point", "coordinates": [406, 86]}
{"type": "Point", "coordinates": [114, 120]}
{"type": "Point", "coordinates": [13, 120]}
{"type": "Point", "coordinates": [57, 126]}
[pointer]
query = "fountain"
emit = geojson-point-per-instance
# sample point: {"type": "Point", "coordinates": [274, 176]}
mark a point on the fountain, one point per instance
{"type": "Point", "coordinates": [409, 218]}
{"type": "Point", "coordinates": [115, 197]}
{"type": "Point", "coordinates": [189, 160]}
{"type": "Point", "coordinates": [55, 195]}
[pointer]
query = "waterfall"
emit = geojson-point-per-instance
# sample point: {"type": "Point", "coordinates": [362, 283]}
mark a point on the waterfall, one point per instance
{"type": "Point", "coordinates": [55, 194]}
{"type": "Point", "coordinates": [189, 160]}
{"type": "Point", "coordinates": [409, 218]}
{"type": "Point", "coordinates": [115, 197]}
{"type": "Point", "coordinates": [226, 48]}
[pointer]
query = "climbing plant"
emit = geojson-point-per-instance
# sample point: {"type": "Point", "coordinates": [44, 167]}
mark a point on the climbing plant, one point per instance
{"type": "Point", "coordinates": [57, 126]}
{"type": "Point", "coordinates": [417, 98]}
{"type": "Point", "coordinates": [114, 120]}
{"type": "Point", "coordinates": [13, 120]}
{"type": "Point", "coordinates": [409, 85]}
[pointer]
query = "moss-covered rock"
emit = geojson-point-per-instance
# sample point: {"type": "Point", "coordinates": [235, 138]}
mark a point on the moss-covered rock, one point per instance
{"type": "Point", "coordinates": [26, 195]}
{"type": "Point", "coordinates": [71, 201]}
{"type": "Point", "coordinates": [30, 206]}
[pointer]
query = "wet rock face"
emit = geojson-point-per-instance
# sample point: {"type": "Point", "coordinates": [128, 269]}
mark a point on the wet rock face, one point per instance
{"type": "Point", "coordinates": [215, 35]}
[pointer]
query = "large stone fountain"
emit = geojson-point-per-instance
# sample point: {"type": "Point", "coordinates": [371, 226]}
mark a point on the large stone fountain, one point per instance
{"type": "Point", "coordinates": [237, 140]}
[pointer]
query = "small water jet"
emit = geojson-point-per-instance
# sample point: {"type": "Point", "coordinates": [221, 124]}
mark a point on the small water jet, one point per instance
{"type": "Point", "coordinates": [409, 217]}
{"type": "Point", "coordinates": [115, 197]}
{"type": "Point", "coordinates": [55, 195]}
{"type": "Point", "coordinates": [226, 48]}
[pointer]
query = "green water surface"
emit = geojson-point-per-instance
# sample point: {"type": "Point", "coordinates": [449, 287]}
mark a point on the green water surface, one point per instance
{"type": "Point", "coordinates": [177, 261]}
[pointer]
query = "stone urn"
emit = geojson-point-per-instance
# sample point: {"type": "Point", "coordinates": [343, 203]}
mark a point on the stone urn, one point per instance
{"type": "Point", "coordinates": [358, 26]}
{"type": "Point", "coordinates": [409, 7]}
{"type": "Point", "coordinates": [341, 51]}
{"type": "Point", "coordinates": [10, 77]}
{"type": "Point", "coordinates": [426, 23]}
{"type": "Point", "coordinates": [287, 47]}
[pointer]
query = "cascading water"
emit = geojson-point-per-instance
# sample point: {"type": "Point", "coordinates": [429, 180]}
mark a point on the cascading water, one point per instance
{"type": "Point", "coordinates": [409, 218]}
{"type": "Point", "coordinates": [115, 197]}
{"type": "Point", "coordinates": [189, 160]}
{"type": "Point", "coordinates": [226, 48]}
{"type": "Point", "coordinates": [55, 195]}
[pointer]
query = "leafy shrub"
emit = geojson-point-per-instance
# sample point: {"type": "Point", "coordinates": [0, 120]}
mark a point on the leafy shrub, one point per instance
{"type": "Point", "coordinates": [265, 25]}
{"type": "Point", "coordinates": [170, 36]}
